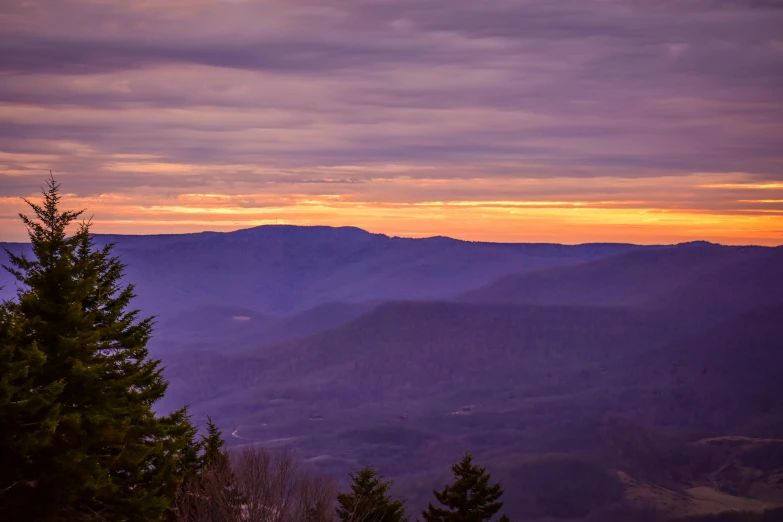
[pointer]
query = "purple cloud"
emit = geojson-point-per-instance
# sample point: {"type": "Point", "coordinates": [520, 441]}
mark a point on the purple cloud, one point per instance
{"type": "Point", "coordinates": [251, 94]}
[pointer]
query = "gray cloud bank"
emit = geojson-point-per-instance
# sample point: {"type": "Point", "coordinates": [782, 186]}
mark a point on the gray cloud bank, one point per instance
{"type": "Point", "coordinates": [582, 88]}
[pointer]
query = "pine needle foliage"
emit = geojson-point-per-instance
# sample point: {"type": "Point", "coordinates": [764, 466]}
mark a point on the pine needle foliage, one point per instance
{"type": "Point", "coordinates": [28, 414]}
{"type": "Point", "coordinates": [369, 500]}
{"type": "Point", "coordinates": [470, 498]}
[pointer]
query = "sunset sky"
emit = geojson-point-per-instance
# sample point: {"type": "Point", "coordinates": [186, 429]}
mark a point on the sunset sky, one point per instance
{"type": "Point", "coordinates": [645, 121]}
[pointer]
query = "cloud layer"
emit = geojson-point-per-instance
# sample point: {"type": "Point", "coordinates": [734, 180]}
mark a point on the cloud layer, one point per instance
{"type": "Point", "coordinates": [575, 120]}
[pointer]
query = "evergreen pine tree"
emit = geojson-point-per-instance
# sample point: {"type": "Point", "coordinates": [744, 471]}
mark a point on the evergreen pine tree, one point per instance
{"type": "Point", "coordinates": [213, 444]}
{"type": "Point", "coordinates": [105, 454]}
{"type": "Point", "coordinates": [369, 500]}
{"type": "Point", "coordinates": [209, 491]}
{"type": "Point", "coordinates": [190, 462]}
{"type": "Point", "coordinates": [28, 413]}
{"type": "Point", "coordinates": [469, 499]}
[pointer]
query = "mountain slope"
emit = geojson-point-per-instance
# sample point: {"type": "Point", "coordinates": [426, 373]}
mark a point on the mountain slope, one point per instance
{"type": "Point", "coordinates": [703, 275]}
{"type": "Point", "coordinates": [229, 329]}
{"type": "Point", "coordinates": [280, 270]}
{"type": "Point", "coordinates": [409, 385]}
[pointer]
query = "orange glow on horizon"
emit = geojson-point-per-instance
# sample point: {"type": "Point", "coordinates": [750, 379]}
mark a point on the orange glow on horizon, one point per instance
{"type": "Point", "coordinates": [499, 221]}
{"type": "Point", "coordinates": [392, 200]}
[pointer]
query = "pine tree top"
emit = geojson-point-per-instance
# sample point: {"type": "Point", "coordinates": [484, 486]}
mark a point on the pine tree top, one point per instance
{"type": "Point", "coordinates": [470, 498]}
{"type": "Point", "coordinates": [369, 499]}
{"type": "Point", "coordinates": [213, 443]}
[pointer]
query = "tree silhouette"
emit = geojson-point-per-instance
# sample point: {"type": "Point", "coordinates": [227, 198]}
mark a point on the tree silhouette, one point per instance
{"type": "Point", "coordinates": [369, 500]}
{"type": "Point", "coordinates": [470, 498]}
{"type": "Point", "coordinates": [100, 451]}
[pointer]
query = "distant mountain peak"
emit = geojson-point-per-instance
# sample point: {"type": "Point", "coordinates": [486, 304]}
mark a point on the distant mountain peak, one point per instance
{"type": "Point", "coordinates": [308, 230]}
{"type": "Point", "coordinates": [698, 243]}
{"type": "Point", "coordinates": [288, 226]}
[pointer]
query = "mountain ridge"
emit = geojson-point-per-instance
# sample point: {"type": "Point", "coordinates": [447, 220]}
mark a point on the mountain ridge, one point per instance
{"type": "Point", "coordinates": [351, 228]}
{"type": "Point", "coordinates": [281, 269]}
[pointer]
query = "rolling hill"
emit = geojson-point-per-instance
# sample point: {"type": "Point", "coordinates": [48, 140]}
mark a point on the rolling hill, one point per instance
{"type": "Point", "coordinates": [281, 270]}
{"type": "Point", "coordinates": [655, 277]}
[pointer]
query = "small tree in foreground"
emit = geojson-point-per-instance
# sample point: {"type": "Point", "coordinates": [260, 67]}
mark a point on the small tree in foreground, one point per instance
{"type": "Point", "coordinates": [213, 444]}
{"type": "Point", "coordinates": [369, 500]}
{"type": "Point", "coordinates": [208, 492]}
{"type": "Point", "coordinates": [470, 498]}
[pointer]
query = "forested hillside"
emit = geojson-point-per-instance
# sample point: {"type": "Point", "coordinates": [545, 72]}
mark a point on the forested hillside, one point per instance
{"type": "Point", "coordinates": [564, 392]}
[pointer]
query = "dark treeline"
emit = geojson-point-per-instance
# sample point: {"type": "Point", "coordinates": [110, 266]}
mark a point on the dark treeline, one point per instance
{"type": "Point", "coordinates": [251, 484]}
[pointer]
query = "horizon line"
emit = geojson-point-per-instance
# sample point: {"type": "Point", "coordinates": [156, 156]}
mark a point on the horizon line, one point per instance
{"type": "Point", "coordinates": [439, 236]}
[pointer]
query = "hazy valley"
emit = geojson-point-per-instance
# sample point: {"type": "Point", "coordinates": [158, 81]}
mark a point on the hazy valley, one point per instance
{"type": "Point", "coordinates": [589, 378]}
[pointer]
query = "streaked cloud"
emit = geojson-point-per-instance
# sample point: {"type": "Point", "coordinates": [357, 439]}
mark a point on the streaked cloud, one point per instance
{"type": "Point", "coordinates": [507, 120]}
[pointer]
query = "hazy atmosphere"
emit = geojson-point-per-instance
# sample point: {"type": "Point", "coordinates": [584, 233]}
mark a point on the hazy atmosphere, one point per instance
{"type": "Point", "coordinates": [511, 120]}
{"type": "Point", "coordinates": [391, 261]}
